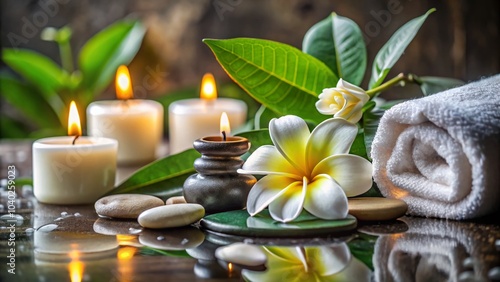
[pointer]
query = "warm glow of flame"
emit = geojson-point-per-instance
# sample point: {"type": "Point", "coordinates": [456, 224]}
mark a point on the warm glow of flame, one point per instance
{"type": "Point", "coordinates": [74, 126]}
{"type": "Point", "coordinates": [224, 124]}
{"type": "Point", "coordinates": [123, 84]}
{"type": "Point", "coordinates": [230, 267]}
{"type": "Point", "coordinates": [75, 267]}
{"type": "Point", "coordinates": [126, 253]}
{"type": "Point", "coordinates": [208, 87]}
{"type": "Point", "coordinates": [125, 239]}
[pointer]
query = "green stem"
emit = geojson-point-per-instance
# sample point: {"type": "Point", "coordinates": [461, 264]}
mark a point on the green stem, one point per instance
{"type": "Point", "coordinates": [66, 56]}
{"type": "Point", "coordinates": [396, 80]}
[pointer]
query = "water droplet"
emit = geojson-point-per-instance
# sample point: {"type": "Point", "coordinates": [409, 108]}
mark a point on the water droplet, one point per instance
{"type": "Point", "coordinates": [77, 214]}
{"type": "Point", "coordinates": [494, 273]}
{"type": "Point", "coordinates": [184, 241]}
{"type": "Point", "coordinates": [64, 214]}
{"type": "Point", "coordinates": [468, 263]}
{"type": "Point", "coordinates": [47, 228]}
{"type": "Point", "coordinates": [134, 230]}
{"type": "Point", "coordinates": [29, 231]}
{"type": "Point", "coordinates": [160, 238]}
{"type": "Point", "coordinates": [13, 218]}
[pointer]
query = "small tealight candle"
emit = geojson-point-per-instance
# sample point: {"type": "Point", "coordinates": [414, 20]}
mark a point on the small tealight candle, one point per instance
{"type": "Point", "coordinates": [217, 186]}
{"type": "Point", "coordinates": [137, 124]}
{"type": "Point", "coordinates": [191, 119]}
{"type": "Point", "coordinates": [73, 169]}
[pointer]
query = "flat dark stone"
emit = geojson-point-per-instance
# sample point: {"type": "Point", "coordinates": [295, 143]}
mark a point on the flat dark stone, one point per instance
{"type": "Point", "coordinates": [239, 222]}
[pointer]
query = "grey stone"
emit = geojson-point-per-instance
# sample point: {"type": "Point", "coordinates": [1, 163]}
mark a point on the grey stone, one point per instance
{"type": "Point", "coordinates": [126, 205]}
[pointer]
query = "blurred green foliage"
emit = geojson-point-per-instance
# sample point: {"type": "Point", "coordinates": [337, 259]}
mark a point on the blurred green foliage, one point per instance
{"type": "Point", "coordinates": [42, 90]}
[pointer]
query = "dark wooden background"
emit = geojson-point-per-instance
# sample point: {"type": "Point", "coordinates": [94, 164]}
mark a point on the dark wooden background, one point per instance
{"type": "Point", "coordinates": [460, 40]}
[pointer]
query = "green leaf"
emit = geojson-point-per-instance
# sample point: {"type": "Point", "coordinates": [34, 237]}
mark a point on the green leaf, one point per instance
{"type": "Point", "coordinates": [257, 138]}
{"type": "Point", "coordinates": [11, 128]}
{"type": "Point", "coordinates": [104, 52]}
{"type": "Point", "coordinates": [432, 84]}
{"type": "Point", "coordinates": [338, 42]}
{"type": "Point", "coordinates": [358, 146]}
{"type": "Point", "coordinates": [27, 101]}
{"type": "Point", "coordinates": [163, 176]}
{"type": "Point", "coordinates": [277, 75]}
{"type": "Point", "coordinates": [371, 119]}
{"type": "Point", "coordinates": [390, 53]}
{"type": "Point", "coordinates": [37, 69]}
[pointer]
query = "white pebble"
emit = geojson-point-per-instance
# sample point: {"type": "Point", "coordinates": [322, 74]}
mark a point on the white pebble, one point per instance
{"type": "Point", "coordinates": [171, 216]}
{"type": "Point", "coordinates": [243, 254]}
{"type": "Point", "coordinates": [77, 214]}
{"type": "Point", "coordinates": [64, 214]}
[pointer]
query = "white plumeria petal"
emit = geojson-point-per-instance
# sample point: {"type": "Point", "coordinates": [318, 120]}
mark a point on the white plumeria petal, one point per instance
{"type": "Point", "coordinates": [289, 134]}
{"type": "Point", "coordinates": [356, 91]}
{"type": "Point", "coordinates": [325, 198]}
{"type": "Point", "coordinates": [265, 191]}
{"type": "Point", "coordinates": [328, 260]}
{"type": "Point", "coordinates": [351, 172]}
{"type": "Point", "coordinates": [327, 103]}
{"type": "Point", "coordinates": [355, 271]}
{"type": "Point", "coordinates": [288, 205]}
{"type": "Point", "coordinates": [267, 160]}
{"type": "Point", "coordinates": [331, 137]}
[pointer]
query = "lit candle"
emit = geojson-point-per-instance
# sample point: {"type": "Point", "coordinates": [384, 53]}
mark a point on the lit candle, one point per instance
{"type": "Point", "coordinates": [136, 124]}
{"type": "Point", "coordinates": [73, 169]}
{"type": "Point", "coordinates": [191, 119]}
{"type": "Point", "coordinates": [217, 186]}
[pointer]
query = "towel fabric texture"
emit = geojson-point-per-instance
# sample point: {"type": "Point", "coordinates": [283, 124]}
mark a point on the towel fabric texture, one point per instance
{"type": "Point", "coordinates": [434, 250]}
{"type": "Point", "coordinates": [441, 153]}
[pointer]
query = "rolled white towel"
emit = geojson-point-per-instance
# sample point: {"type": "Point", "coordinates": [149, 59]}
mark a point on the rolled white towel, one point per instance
{"type": "Point", "coordinates": [441, 153]}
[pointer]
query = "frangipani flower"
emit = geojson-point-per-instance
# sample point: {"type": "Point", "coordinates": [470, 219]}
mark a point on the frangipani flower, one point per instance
{"type": "Point", "coordinates": [307, 170]}
{"type": "Point", "coordinates": [344, 101]}
{"type": "Point", "coordinates": [313, 263]}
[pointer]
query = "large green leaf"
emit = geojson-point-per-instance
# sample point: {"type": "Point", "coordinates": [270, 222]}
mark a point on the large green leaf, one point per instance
{"type": "Point", "coordinates": [163, 176]}
{"type": "Point", "coordinates": [432, 84]}
{"type": "Point", "coordinates": [338, 42]}
{"type": "Point", "coordinates": [277, 75]}
{"type": "Point", "coordinates": [108, 49]}
{"type": "Point", "coordinates": [371, 119]}
{"type": "Point", "coordinates": [26, 100]}
{"type": "Point", "coordinates": [257, 138]}
{"type": "Point", "coordinates": [390, 53]}
{"type": "Point", "coordinates": [37, 69]}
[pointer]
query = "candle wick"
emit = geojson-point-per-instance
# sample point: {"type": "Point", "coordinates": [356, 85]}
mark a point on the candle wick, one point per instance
{"type": "Point", "coordinates": [223, 135]}
{"type": "Point", "coordinates": [74, 140]}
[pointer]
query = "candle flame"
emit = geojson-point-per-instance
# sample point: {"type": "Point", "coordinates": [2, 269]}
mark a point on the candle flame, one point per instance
{"type": "Point", "coordinates": [225, 128]}
{"type": "Point", "coordinates": [230, 267]}
{"type": "Point", "coordinates": [208, 87]}
{"type": "Point", "coordinates": [74, 125]}
{"type": "Point", "coordinates": [75, 267]}
{"type": "Point", "coordinates": [123, 83]}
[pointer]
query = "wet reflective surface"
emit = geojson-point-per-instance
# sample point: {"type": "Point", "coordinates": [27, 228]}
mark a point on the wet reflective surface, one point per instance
{"type": "Point", "coordinates": [71, 243]}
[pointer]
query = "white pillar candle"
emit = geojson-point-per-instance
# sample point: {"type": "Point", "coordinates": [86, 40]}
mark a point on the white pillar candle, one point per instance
{"type": "Point", "coordinates": [192, 119]}
{"type": "Point", "coordinates": [136, 124]}
{"type": "Point", "coordinates": [70, 170]}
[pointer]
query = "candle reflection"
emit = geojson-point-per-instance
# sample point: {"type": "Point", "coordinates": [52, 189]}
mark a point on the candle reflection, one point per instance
{"type": "Point", "coordinates": [75, 267]}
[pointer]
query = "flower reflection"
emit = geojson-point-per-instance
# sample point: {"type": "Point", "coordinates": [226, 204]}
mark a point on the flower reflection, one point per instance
{"type": "Point", "coordinates": [312, 263]}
